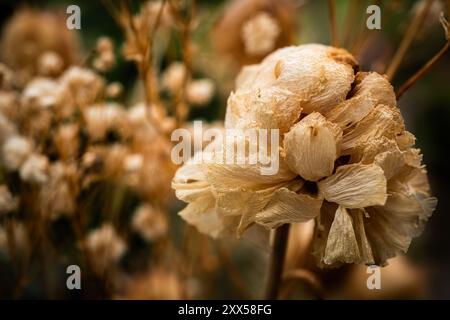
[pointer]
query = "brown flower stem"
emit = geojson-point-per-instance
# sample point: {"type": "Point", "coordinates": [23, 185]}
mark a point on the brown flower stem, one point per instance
{"type": "Point", "coordinates": [333, 23]}
{"type": "Point", "coordinates": [276, 263]}
{"type": "Point", "coordinates": [423, 71]}
{"type": "Point", "coordinates": [408, 38]}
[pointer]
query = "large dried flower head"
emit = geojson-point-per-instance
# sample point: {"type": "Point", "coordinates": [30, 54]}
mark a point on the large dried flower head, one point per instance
{"type": "Point", "coordinates": [105, 247]}
{"type": "Point", "coordinates": [346, 160]}
{"type": "Point", "coordinates": [15, 151]}
{"type": "Point", "coordinates": [149, 222]}
{"type": "Point", "coordinates": [29, 34]}
{"type": "Point", "coordinates": [248, 30]}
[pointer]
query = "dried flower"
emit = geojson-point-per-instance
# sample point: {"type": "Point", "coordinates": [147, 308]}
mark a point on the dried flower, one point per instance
{"type": "Point", "coordinates": [105, 247]}
{"type": "Point", "coordinates": [29, 34]}
{"type": "Point", "coordinates": [58, 194]}
{"type": "Point", "coordinates": [173, 77]}
{"type": "Point", "coordinates": [15, 151]}
{"type": "Point", "coordinates": [105, 58]}
{"type": "Point", "coordinates": [101, 118]}
{"type": "Point", "coordinates": [149, 222]}
{"type": "Point", "coordinates": [34, 169]}
{"type": "Point", "coordinates": [260, 34]}
{"type": "Point", "coordinates": [50, 64]}
{"type": "Point", "coordinates": [346, 160]}
{"type": "Point", "coordinates": [199, 92]}
{"type": "Point", "coordinates": [250, 29]}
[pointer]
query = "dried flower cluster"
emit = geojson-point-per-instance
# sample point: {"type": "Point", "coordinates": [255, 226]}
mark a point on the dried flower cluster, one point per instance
{"type": "Point", "coordinates": [346, 160]}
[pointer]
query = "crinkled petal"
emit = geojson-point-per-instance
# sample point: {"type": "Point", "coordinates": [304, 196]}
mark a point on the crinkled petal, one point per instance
{"type": "Point", "coordinates": [287, 206]}
{"type": "Point", "coordinates": [355, 186]}
{"type": "Point", "coordinates": [341, 243]}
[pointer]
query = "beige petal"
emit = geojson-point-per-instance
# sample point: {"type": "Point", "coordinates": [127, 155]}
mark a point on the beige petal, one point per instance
{"type": "Point", "coordinates": [383, 121]}
{"type": "Point", "coordinates": [391, 228]}
{"type": "Point", "coordinates": [341, 243]}
{"type": "Point", "coordinates": [266, 108]}
{"type": "Point", "coordinates": [312, 146]}
{"type": "Point", "coordinates": [287, 206]}
{"type": "Point", "coordinates": [405, 140]}
{"type": "Point", "coordinates": [202, 214]}
{"type": "Point", "coordinates": [355, 186]}
{"type": "Point", "coordinates": [370, 90]}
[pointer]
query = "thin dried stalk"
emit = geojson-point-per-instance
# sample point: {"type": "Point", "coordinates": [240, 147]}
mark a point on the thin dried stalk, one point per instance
{"type": "Point", "coordinates": [423, 71]}
{"type": "Point", "coordinates": [408, 38]}
{"type": "Point", "coordinates": [333, 23]}
{"type": "Point", "coordinates": [276, 263]}
{"type": "Point", "coordinates": [184, 24]}
{"type": "Point", "coordinates": [351, 20]}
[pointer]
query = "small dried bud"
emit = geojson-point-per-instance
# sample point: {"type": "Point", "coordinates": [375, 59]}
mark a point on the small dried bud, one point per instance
{"type": "Point", "coordinates": [173, 77]}
{"type": "Point", "coordinates": [200, 92]}
{"type": "Point", "coordinates": [50, 64]}
{"type": "Point", "coordinates": [114, 90]}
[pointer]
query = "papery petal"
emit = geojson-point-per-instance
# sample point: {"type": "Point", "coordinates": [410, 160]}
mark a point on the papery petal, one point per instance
{"type": "Point", "coordinates": [355, 186]}
{"type": "Point", "coordinates": [312, 146]}
{"type": "Point", "coordinates": [286, 206]}
{"type": "Point", "coordinates": [266, 108]}
{"type": "Point", "coordinates": [341, 243]}
{"type": "Point", "coordinates": [370, 90]}
{"type": "Point", "coordinates": [202, 214]}
{"type": "Point", "coordinates": [383, 121]}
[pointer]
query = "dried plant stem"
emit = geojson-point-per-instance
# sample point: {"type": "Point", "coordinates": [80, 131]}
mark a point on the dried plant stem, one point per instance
{"type": "Point", "coordinates": [276, 263]}
{"type": "Point", "coordinates": [408, 38]}
{"type": "Point", "coordinates": [419, 74]}
{"type": "Point", "coordinates": [304, 276]}
{"type": "Point", "coordinates": [351, 20]}
{"type": "Point", "coordinates": [333, 23]}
